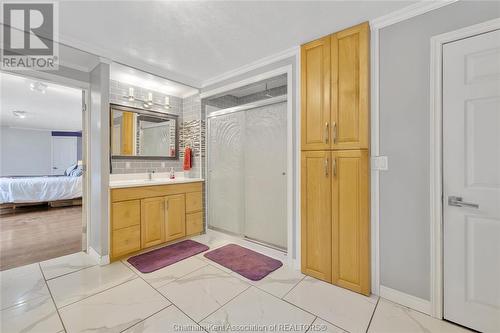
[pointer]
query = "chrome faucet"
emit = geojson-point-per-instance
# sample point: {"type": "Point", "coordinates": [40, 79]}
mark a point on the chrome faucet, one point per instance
{"type": "Point", "coordinates": [150, 174]}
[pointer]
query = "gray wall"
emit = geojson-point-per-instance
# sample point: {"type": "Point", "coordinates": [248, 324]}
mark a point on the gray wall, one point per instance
{"type": "Point", "coordinates": [404, 138]}
{"type": "Point", "coordinates": [291, 94]}
{"type": "Point", "coordinates": [99, 157]}
{"type": "Point", "coordinates": [25, 152]}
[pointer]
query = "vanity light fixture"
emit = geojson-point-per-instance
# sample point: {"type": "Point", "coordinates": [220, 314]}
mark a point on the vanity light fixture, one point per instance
{"type": "Point", "coordinates": [147, 101]}
{"type": "Point", "coordinates": [131, 97]}
{"type": "Point", "coordinates": [38, 86]}
{"type": "Point", "coordinates": [19, 114]}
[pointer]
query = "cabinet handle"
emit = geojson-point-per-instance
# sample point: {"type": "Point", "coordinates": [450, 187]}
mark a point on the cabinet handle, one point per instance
{"type": "Point", "coordinates": [326, 166]}
{"type": "Point", "coordinates": [326, 132]}
{"type": "Point", "coordinates": [334, 166]}
{"type": "Point", "coordinates": [166, 204]}
{"type": "Point", "coordinates": [334, 135]}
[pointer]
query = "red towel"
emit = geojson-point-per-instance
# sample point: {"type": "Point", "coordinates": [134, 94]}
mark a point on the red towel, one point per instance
{"type": "Point", "coordinates": [187, 159]}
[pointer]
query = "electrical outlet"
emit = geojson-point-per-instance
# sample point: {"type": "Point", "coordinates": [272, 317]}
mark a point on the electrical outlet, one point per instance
{"type": "Point", "coordinates": [380, 163]}
{"type": "Point", "coordinates": [127, 165]}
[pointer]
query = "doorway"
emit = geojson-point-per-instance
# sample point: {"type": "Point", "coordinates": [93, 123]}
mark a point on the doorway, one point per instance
{"type": "Point", "coordinates": [42, 176]}
{"type": "Point", "coordinates": [470, 178]}
{"type": "Point", "coordinates": [248, 169]}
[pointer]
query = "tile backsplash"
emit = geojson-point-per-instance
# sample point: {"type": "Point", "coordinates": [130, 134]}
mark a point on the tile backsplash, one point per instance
{"type": "Point", "coordinates": [189, 113]}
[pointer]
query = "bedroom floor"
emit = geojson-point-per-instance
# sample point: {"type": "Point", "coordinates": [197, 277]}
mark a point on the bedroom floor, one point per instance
{"type": "Point", "coordinates": [73, 294]}
{"type": "Point", "coordinates": [39, 233]}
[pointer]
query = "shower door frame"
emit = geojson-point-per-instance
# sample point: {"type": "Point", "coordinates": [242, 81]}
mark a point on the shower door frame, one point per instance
{"type": "Point", "coordinates": [291, 209]}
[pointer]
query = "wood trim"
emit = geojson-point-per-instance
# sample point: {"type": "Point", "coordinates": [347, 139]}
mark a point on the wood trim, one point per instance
{"type": "Point", "coordinates": [407, 300]}
{"type": "Point", "coordinates": [141, 192]}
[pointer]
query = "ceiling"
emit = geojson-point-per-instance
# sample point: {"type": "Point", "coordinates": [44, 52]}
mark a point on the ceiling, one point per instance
{"type": "Point", "coordinates": [59, 108]}
{"type": "Point", "coordinates": [194, 41]}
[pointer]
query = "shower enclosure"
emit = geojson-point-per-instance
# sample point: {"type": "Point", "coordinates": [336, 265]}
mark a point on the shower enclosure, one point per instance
{"type": "Point", "coordinates": [247, 171]}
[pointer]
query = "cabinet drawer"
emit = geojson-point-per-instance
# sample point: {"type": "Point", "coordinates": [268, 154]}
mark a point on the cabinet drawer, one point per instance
{"type": "Point", "coordinates": [126, 214]}
{"type": "Point", "coordinates": [194, 223]}
{"type": "Point", "coordinates": [126, 240]}
{"type": "Point", "coordinates": [193, 202]}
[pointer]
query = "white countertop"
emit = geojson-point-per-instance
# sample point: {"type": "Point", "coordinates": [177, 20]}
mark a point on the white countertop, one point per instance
{"type": "Point", "coordinates": [142, 179]}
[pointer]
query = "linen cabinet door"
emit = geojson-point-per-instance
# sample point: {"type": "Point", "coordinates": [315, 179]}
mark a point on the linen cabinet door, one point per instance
{"type": "Point", "coordinates": [315, 94]}
{"type": "Point", "coordinates": [175, 224]}
{"type": "Point", "coordinates": [152, 221]}
{"type": "Point", "coordinates": [351, 221]}
{"type": "Point", "coordinates": [350, 88]}
{"type": "Point", "coordinates": [316, 236]}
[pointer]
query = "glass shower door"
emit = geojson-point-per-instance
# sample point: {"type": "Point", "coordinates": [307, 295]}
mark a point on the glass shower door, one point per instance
{"type": "Point", "coordinates": [225, 173]}
{"type": "Point", "coordinates": [246, 173]}
{"type": "Point", "coordinates": [265, 177]}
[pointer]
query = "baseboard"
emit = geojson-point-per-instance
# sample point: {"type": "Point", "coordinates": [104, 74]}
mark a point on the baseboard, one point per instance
{"type": "Point", "coordinates": [102, 260]}
{"type": "Point", "coordinates": [407, 300]}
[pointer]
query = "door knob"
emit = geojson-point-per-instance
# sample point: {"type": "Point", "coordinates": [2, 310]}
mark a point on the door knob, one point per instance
{"type": "Point", "coordinates": [457, 202]}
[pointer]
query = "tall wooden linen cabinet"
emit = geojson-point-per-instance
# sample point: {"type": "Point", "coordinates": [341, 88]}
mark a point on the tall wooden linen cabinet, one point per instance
{"type": "Point", "coordinates": [335, 228]}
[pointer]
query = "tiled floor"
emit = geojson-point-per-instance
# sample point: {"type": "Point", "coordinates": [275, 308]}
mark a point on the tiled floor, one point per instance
{"type": "Point", "coordinates": [73, 294]}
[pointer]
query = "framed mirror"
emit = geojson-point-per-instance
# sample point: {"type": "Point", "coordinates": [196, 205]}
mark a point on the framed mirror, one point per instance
{"type": "Point", "coordinates": [143, 134]}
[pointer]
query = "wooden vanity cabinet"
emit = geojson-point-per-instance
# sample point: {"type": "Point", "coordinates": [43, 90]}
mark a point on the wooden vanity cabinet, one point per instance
{"type": "Point", "coordinates": [146, 216]}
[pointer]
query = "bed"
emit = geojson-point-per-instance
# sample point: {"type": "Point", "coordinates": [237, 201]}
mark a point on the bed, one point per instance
{"type": "Point", "coordinates": [21, 190]}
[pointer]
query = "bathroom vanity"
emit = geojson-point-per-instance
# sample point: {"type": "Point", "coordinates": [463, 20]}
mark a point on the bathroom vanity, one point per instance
{"type": "Point", "coordinates": [146, 213]}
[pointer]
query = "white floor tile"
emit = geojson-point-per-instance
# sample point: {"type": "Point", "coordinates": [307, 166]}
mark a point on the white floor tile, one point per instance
{"type": "Point", "coordinates": [66, 264]}
{"type": "Point", "coordinates": [35, 315]}
{"type": "Point", "coordinates": [259, 311]}
{"type": "Point", "coordinates": [115, 309]}
{"type": "Point", "coordinates": [21, 284]}
{"type": "Point", "coordinates": [203, 291]}
{"type": "Point", "coordinates": [168, 320]}
{"type": "Point", "coordinates": [73, 287]}
{"type": "Point", "coordinates": [170, 273]}
{"type": "Point", "coordinates": [278, 283]}
{"type": "Point", "coordinates": [321, 325]}
{"type": "Point", "coordinates": [346, 309]}
{"type": "Point", "coordinates": [393, 318]}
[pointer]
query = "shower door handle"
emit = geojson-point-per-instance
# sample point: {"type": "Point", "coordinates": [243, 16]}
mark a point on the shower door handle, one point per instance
{"type": "Point", "coordinates": [326, 132]}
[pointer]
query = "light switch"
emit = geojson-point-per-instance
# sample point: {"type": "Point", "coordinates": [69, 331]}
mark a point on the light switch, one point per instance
{"type": "Point", "coordinates": [380, 163]}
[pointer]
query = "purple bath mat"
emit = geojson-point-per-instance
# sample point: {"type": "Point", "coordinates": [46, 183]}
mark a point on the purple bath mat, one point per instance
{"type": "Point", "coordinates": [250, 264]}
{"type": "Point", "coordinates": [151, 261]}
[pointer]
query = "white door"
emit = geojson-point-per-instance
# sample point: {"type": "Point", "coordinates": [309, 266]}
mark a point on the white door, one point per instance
{"type": "Point", "coordinates": [471, 181]}
{"type": "Point", "coordinates": [64, 153]}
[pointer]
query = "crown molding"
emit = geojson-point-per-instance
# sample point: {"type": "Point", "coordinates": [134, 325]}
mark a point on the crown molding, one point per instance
{"type": "Point", "coordinates": [293, 51]}
{"type": "Point", "coordinates": [408, 12]}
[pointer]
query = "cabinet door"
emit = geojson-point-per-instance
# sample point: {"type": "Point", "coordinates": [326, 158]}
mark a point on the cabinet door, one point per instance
{"type": "Point", "coordinates": [351, 220]}
{"type": "Point", "coordinates": [316, 213]}
{"type": "Point", "coordinates": [315, 95]}
{"type": "Point", "coordinates": [152, 221]}
{"type": "Point", "coordinates": [125, 214]}
{"type": "Point", "coordinates": [350, 87]}
{"type": "Point", "coordinates": [175, 225]}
